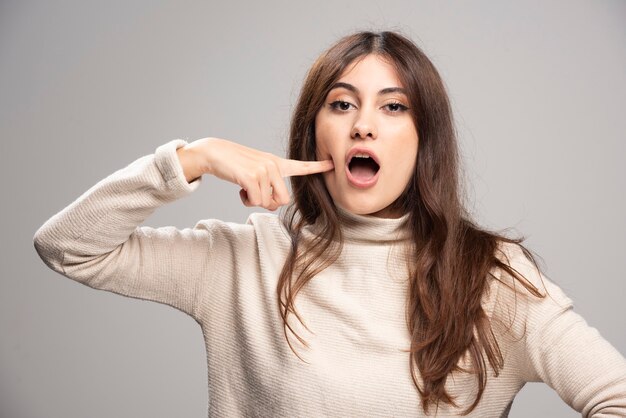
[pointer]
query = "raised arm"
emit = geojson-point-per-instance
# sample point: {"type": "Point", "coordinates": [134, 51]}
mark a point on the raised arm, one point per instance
{"type": "Point", "coordinates": [96, 239]}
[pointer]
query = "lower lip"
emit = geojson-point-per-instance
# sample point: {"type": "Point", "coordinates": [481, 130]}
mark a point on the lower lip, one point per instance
{"type": "Point", "coordinates": [360, 183]}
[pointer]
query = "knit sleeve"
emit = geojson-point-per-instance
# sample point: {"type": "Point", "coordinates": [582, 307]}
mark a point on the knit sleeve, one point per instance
{"type": "Point", "coordinates": [96, 239]}
{"type": "Point", "coordinates": [562, 350]}
{"type": "Point", "coordinates": [587, 372]}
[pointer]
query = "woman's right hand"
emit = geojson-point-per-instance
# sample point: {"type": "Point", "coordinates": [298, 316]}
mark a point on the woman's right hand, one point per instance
{"type": "Point", "coordinates": [259, 174]}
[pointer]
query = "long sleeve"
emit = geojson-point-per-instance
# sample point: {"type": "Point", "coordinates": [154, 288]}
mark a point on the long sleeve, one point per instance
{"type": "Point", "coordinates": [587, 372]}
{"type": "Point", "coordinates": [560, 349]}
{"type": "Point", "coordinates": [96, 239]}
{"type": "Point", "coordinates": [551, 343]}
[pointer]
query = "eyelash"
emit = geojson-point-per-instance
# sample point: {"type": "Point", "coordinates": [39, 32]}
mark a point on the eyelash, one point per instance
{"type": "Point", "coordinates": [335, 106]}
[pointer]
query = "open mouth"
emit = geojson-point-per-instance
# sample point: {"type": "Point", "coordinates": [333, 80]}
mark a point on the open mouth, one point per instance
{"type": "Point", "coordinates": [363, 167]}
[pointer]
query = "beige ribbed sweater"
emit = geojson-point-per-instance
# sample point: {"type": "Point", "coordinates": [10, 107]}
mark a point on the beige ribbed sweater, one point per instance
{"type": "Point", "coordinates": [224, 275]}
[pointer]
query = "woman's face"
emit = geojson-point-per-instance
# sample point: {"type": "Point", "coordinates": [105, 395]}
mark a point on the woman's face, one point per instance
{"type": "Point", "coordinates": [366, 115]}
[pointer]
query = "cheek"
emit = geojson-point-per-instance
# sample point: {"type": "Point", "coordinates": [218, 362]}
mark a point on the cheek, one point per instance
{"type": "Point", "coordinates": [407, 161]}
{"type": "Point", "coordinates": [320, 148]}
{"type": "Point", "coordinates": [322, 140]}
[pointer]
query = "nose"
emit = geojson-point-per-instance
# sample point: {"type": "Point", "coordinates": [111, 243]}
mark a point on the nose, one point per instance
{"type": "Point", "coordinates": [363, 127]}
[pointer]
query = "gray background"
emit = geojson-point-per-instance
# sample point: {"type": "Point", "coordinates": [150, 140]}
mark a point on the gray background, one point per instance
{"type": "Point", "coordinates": [538, 89]}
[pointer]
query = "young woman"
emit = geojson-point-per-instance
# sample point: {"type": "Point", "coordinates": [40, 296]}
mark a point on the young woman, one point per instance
{"type": "Point", "coordinates": [374, 293]}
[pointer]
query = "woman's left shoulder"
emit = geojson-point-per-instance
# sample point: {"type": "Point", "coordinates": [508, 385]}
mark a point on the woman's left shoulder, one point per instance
{"type": "Point", "coordinates": [524, 294]}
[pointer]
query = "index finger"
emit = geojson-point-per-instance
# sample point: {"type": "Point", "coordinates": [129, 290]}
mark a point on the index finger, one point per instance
{"type": "Point", "coordinates": [290, 168]}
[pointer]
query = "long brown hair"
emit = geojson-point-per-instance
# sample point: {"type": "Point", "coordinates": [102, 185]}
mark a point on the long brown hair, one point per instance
{"type": "Point", "coordinates": [452, 257]}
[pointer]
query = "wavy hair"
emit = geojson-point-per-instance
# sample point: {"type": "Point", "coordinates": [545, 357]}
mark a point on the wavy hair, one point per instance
{"type": "Point", "coordinates": [451, 256]}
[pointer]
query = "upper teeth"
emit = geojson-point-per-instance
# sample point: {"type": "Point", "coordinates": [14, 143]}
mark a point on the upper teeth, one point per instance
{"type": "Point", "coordinates": [361, 156]}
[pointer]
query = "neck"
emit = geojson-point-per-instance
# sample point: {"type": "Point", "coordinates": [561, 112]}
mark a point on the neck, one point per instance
{"type": "Point", "coordinates": [368, 228]}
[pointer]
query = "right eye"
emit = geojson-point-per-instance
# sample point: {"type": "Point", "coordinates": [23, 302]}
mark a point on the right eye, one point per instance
{"type": "Point", "coordinates": [341, 105]}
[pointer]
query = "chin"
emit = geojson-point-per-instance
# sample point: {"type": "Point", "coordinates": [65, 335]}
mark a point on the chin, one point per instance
{"type": "Point", "coordinates": [361, 209]}
{"type": "Point", "coordinates": [369, 208]}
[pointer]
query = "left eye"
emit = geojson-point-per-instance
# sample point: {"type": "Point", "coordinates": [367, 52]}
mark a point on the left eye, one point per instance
{"type": "Point", "coordinates": [396, 107]}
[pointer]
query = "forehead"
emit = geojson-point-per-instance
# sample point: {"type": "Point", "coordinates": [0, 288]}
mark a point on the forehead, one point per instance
{"type": "Point", "coordinates": [371, 70]}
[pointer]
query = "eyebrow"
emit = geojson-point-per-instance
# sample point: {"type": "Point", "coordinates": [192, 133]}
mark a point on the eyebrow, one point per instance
{"type": "Point", "coordinates": [353, 89]}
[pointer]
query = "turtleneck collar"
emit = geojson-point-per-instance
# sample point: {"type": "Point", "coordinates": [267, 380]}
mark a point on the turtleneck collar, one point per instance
{"type": "Point", "coordinates": [368, 228]}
